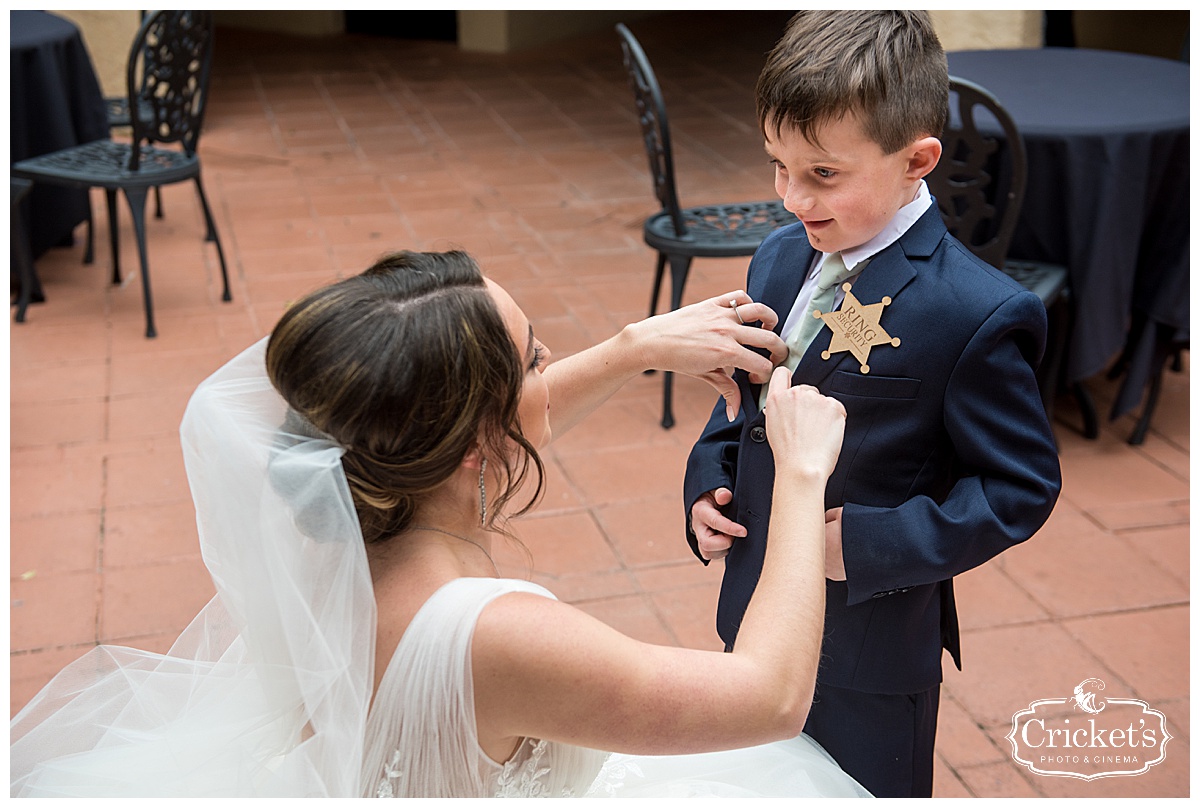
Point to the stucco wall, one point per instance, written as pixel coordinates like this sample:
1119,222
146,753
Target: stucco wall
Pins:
301,23
980,30
503,31
108,36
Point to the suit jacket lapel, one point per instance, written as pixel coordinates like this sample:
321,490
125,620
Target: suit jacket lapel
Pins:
888,272
780,288
783,283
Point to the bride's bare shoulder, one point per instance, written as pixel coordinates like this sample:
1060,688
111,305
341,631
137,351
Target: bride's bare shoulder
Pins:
531,624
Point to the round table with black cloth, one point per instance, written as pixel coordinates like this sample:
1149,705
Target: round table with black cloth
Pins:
1106,135
55,102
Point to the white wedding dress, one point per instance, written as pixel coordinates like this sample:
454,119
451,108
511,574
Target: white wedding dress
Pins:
268,691
423,741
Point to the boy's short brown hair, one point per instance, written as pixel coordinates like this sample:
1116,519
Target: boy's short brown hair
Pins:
886,66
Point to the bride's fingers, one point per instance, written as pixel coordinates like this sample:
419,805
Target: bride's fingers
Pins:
757,312
768,340
758,367
745,309
747,312
728,389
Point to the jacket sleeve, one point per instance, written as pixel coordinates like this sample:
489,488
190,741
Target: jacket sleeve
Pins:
711,464
1009,476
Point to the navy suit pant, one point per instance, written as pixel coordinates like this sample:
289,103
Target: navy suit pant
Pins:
884,742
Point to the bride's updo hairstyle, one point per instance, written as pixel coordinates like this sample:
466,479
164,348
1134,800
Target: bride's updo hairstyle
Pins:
409,366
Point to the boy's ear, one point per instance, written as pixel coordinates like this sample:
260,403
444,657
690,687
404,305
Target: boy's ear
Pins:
923,156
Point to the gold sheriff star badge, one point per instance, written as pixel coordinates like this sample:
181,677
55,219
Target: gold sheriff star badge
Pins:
856,329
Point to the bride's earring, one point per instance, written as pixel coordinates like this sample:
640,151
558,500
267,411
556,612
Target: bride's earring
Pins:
482,495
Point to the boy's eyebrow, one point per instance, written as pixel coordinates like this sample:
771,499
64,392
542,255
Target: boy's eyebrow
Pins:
823,157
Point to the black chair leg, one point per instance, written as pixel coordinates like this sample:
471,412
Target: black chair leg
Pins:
1143,425
89,250
24,257
1087,408
211,235
658,277
212,231
158,213
654,290
680,264
113,234
137,206
25,268
1163,353
668,419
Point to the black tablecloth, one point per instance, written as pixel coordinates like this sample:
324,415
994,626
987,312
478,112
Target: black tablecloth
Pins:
55,102
1106,135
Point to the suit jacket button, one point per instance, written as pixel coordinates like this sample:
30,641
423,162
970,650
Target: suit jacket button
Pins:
758,434
879,594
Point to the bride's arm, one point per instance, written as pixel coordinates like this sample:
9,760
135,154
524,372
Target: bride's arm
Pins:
704,340
547,670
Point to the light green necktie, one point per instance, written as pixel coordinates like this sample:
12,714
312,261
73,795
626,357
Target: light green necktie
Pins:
833,273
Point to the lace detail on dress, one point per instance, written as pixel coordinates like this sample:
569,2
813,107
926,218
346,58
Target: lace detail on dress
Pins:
527,777
611,778
391,772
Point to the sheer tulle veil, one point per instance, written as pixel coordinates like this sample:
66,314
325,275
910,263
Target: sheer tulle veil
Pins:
267,690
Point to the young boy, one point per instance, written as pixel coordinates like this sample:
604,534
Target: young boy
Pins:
948,458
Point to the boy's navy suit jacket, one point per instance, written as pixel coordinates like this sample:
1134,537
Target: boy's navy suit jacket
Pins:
948,457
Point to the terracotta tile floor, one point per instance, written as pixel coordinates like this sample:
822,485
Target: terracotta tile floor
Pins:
319,156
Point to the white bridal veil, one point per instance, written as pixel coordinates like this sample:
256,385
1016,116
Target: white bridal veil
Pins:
266,692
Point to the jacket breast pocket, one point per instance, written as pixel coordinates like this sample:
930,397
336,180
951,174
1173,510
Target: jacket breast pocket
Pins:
868,386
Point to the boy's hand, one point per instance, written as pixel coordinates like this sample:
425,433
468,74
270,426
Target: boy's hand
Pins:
835,566
714,532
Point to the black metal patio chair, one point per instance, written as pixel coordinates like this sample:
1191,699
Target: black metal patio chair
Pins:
176,57
680,234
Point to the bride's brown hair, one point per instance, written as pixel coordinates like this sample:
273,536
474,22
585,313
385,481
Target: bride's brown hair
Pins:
409,366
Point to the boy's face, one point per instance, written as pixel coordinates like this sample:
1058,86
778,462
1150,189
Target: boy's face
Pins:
845,190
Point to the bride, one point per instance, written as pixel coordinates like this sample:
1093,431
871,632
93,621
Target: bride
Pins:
350,474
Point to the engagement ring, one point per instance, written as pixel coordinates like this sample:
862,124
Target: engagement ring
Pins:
733,304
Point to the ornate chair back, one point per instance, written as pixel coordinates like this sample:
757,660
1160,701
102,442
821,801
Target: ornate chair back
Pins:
167,77
656,133
980,181
979,185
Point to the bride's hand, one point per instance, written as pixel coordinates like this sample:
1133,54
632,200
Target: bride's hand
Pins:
804,427
709,339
